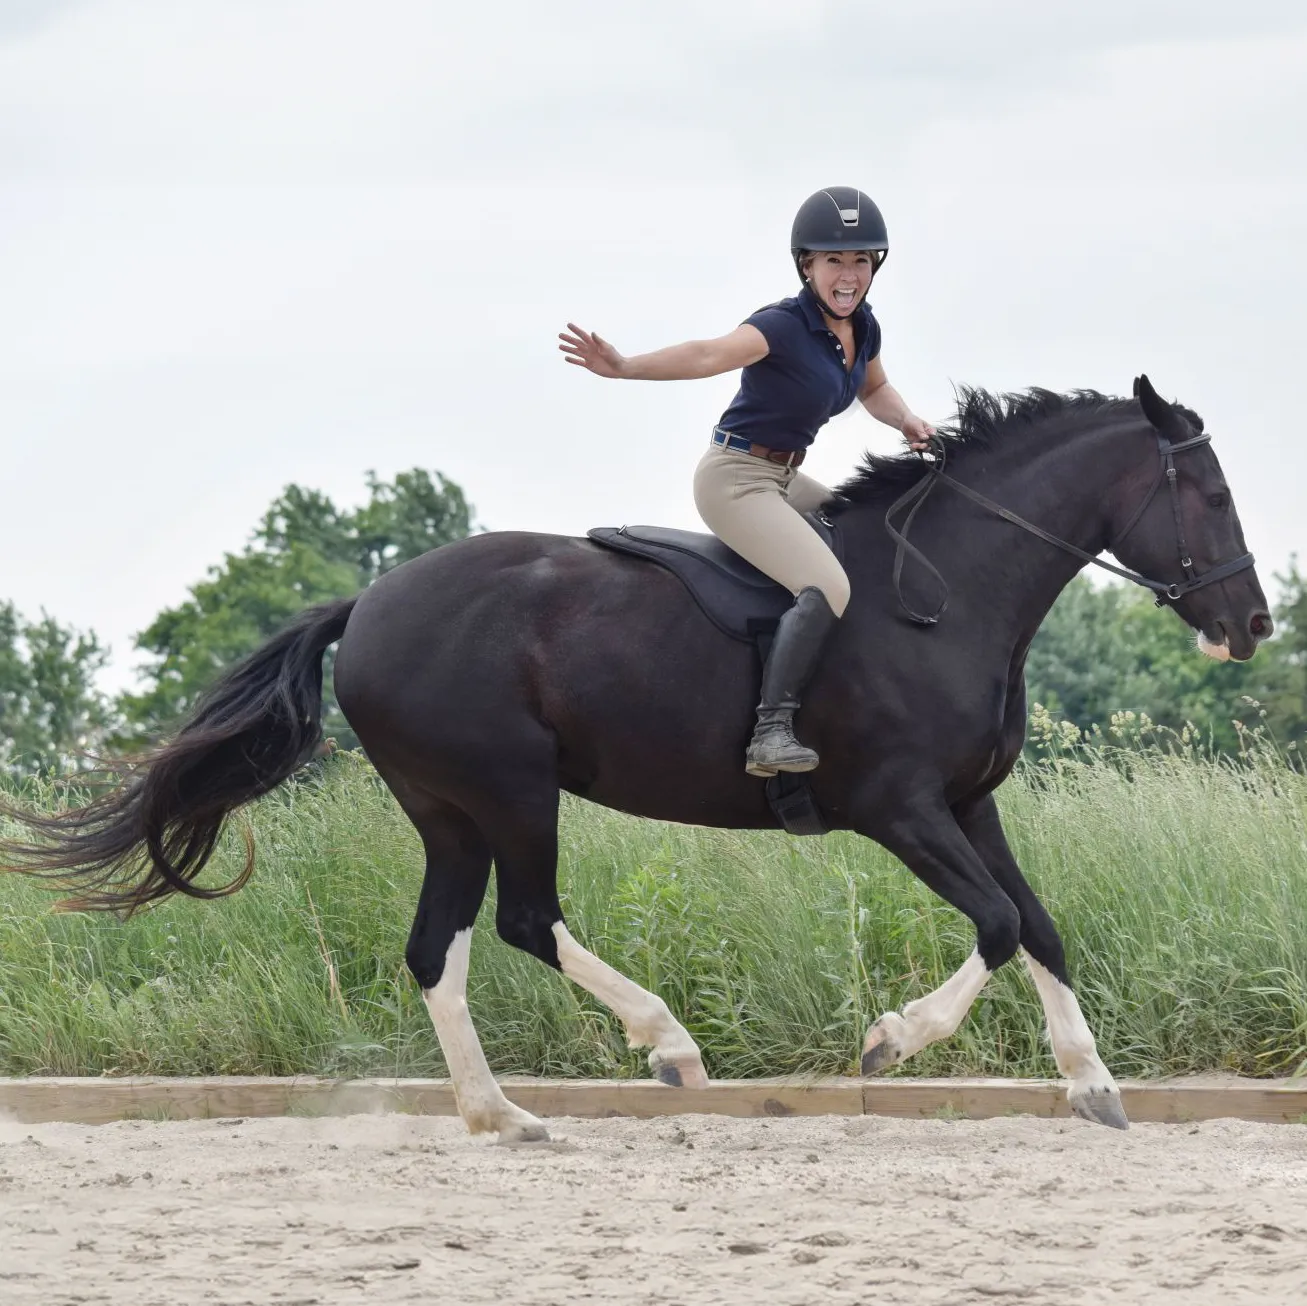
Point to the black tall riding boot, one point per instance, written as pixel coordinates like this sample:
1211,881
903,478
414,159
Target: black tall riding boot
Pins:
800,637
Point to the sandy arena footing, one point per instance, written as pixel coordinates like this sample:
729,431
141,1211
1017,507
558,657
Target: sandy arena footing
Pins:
791,1211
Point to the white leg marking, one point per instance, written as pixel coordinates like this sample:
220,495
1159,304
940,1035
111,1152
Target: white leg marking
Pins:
1075,1050
1073,1044
648,1021
1093,1093
926,1020
938,1014
481,1102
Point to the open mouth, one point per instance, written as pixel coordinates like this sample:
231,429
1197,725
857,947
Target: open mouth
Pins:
845,298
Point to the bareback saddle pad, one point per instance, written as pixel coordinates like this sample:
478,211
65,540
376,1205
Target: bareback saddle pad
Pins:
734,595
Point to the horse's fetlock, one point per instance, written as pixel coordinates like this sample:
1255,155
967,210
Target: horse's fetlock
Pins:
651,1026
927,1022
481,1122
1078,1061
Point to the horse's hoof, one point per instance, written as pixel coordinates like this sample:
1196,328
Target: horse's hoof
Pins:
1100,1103
881,1050
678,1072
881,1057
670,1076
523,1132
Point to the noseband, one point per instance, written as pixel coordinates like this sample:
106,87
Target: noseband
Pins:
1165,593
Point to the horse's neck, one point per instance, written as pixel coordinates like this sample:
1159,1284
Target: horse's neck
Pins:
1065,483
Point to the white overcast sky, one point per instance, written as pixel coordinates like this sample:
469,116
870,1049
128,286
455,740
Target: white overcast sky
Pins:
249,242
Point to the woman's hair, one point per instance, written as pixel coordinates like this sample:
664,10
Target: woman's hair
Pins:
805,257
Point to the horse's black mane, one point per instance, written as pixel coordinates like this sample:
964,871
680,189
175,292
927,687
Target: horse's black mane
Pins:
983,421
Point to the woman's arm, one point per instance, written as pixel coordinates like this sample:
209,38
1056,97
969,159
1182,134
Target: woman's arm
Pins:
687,362
886,405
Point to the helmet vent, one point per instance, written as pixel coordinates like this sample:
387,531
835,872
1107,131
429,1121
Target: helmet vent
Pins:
849,217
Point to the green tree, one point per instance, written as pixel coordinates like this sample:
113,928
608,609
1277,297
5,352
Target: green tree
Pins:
1110,649
1077,662
305,550
1282,686
51,714
403,520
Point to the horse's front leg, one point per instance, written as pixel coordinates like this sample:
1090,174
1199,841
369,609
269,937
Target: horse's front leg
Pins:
921,831
1093,1093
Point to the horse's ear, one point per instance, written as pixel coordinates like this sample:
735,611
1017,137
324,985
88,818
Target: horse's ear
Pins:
1159,413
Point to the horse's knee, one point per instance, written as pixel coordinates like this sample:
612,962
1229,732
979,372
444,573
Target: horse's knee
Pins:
1043,944
998,934
425,957
529,929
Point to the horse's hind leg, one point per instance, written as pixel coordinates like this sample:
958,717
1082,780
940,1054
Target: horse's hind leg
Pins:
1093,1093
457,872
525,846
675,1058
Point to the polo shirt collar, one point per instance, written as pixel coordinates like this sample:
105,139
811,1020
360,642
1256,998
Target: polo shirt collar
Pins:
812,310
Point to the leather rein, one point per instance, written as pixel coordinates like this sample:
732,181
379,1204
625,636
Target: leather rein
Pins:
1166,593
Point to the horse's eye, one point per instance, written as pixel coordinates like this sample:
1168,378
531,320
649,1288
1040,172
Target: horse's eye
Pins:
1218,500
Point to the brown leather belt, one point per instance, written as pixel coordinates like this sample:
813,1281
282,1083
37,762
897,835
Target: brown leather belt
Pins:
786,457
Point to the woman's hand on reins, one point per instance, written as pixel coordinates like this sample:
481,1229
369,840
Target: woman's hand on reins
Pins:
591,352
917,432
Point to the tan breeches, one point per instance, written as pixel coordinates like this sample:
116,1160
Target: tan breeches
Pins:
754,507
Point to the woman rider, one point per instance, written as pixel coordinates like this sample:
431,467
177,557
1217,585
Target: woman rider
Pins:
804,359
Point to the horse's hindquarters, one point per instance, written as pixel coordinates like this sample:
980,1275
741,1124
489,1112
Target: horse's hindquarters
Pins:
461,661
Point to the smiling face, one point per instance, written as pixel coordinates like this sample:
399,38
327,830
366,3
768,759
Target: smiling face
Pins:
840,278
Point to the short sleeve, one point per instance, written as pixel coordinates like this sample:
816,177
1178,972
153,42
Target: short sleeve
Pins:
775,324
873,338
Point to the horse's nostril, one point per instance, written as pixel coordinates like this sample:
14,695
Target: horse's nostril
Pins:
1261,625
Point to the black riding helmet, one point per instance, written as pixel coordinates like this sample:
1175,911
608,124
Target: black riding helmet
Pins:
838,217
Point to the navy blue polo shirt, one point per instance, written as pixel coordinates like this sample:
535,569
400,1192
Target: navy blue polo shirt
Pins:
802,383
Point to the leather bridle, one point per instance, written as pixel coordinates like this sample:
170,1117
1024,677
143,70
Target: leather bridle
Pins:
1166,593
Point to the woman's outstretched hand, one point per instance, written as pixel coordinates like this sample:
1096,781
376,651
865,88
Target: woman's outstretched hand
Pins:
591,352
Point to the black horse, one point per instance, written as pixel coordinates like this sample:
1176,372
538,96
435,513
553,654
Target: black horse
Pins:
488,675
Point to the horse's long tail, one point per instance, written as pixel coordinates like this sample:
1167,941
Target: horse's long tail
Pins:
152,834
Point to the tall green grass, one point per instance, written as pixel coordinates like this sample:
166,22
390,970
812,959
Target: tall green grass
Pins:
1179,882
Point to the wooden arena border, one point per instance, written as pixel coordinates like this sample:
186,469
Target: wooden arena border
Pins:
100,1101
